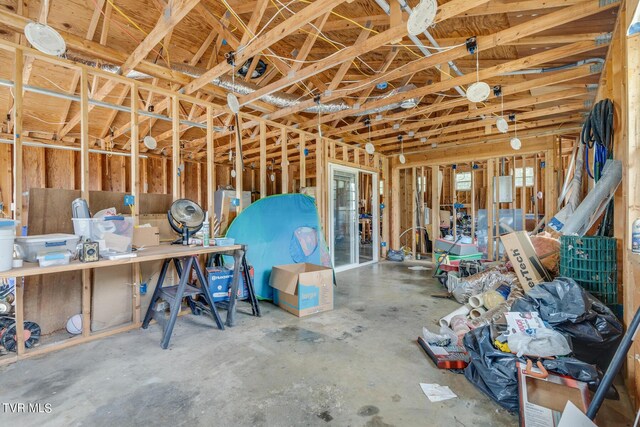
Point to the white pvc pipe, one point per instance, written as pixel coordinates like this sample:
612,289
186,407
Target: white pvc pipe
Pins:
464,311
477,312
476,301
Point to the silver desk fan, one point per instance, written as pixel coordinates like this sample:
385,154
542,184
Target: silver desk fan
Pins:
186,218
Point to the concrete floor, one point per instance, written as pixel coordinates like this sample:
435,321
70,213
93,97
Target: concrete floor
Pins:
358,365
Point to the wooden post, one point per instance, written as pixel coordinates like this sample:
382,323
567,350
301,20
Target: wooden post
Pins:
549,201
135,191
386,212
414,207
84,191
490,207
303,162
239,172
17,139
423,181
435,209
320,184
263,159
17,187
454,200
395,208
211,168
496,235
473,202
175,161
284,162
523,193
536,213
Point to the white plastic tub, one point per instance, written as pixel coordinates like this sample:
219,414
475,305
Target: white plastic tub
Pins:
54,258
34,246
7,236
114,233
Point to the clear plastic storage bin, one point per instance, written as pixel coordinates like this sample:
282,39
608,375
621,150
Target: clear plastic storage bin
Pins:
113,233
34,246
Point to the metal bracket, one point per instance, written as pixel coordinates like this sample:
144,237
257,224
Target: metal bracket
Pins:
603,3
596,68
604,38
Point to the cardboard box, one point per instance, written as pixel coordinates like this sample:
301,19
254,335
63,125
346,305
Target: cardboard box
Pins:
145,237
220,280
543,400
526,263
302,289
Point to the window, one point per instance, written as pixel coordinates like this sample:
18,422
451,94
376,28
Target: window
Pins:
528,177
463,181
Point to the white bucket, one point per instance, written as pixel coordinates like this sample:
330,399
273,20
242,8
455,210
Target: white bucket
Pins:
6,252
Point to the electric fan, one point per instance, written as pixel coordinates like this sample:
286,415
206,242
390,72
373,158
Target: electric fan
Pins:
186,218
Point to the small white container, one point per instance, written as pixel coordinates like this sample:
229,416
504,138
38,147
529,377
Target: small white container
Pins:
34,246
54,258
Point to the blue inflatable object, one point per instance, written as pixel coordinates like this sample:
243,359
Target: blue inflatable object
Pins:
281,229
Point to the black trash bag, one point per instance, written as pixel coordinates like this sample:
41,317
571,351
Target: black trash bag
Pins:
594,330
395,255
495,373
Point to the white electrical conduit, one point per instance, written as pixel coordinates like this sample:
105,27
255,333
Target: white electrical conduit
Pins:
68,148
103,104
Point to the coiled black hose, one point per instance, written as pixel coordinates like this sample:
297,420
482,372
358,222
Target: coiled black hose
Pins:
597,134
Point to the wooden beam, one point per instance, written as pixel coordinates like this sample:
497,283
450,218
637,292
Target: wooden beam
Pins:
284,162
172,15
175,160
512,33
263,160
514,65
525,86
435,209
265,40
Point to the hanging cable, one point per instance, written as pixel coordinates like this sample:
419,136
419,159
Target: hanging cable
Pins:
597,134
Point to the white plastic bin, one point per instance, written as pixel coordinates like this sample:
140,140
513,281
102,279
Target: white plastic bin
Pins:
54,258
7,236
33,246
114,233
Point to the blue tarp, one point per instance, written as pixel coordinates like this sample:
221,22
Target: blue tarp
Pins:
281,229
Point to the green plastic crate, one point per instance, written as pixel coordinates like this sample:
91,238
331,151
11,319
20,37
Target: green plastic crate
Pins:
470,256
592,262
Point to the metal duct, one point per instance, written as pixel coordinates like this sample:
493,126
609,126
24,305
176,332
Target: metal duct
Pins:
392,106
239,86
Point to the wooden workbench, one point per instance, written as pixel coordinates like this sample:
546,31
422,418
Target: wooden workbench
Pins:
156,253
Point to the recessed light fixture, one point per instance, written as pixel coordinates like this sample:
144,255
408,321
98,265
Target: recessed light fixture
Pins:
434,145
411,133
423,139
409,103
422,17
396,125
502,125
479,91
150,142
369,148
